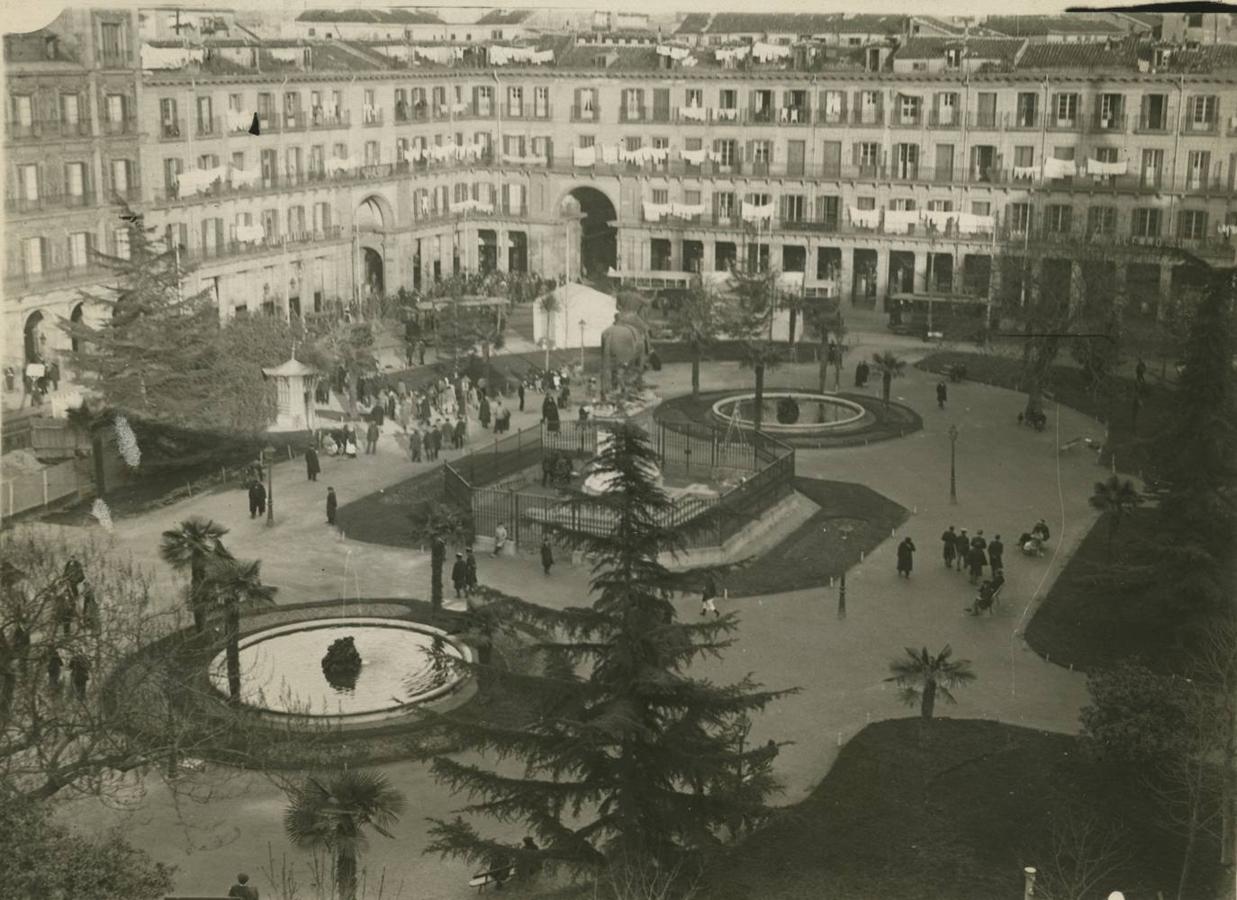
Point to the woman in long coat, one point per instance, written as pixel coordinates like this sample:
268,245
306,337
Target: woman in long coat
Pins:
906,557
549,413
312,466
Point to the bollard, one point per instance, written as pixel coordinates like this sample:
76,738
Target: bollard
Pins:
839,739
860,556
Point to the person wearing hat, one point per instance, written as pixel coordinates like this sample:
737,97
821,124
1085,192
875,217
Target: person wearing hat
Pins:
243,890
470,572
996,550
332,504
459,575
963,546
978,542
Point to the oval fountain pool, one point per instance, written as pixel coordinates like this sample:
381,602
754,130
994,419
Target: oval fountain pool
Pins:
402,664
792,412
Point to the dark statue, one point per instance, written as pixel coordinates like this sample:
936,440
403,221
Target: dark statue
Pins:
342,664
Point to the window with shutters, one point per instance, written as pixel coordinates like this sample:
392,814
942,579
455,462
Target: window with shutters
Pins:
1018,217
79,249
1191,224
724,205
1058,218
691,198
941,205
541,102
1102,220
865,203
867,156
113,46
515,102
34,255
903,204
828,211
169,121
1202,114
75,182
981,208
1024,157
1152,167
660,195
1109,115
1026,110
1198,165
70,109
869,108
661,104
1065,110
794,208
120,242
909,109
1145,223
206,121
372,153
946,112
905,160
632,105
120,176
171,175
694,98
833,107
762,152
726,152
728,99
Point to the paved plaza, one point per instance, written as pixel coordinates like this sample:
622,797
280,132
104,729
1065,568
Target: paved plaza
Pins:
1008,477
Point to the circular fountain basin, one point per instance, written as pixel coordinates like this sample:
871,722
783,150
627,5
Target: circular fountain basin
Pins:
281,670
816,413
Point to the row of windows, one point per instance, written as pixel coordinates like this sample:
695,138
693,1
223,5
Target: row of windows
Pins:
33,182
1063,109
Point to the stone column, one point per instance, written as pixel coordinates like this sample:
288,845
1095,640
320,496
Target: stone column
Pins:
920,283
846,275
1163,300
882,276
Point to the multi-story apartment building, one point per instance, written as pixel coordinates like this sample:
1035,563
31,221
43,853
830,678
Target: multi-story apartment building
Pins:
71,148
870,168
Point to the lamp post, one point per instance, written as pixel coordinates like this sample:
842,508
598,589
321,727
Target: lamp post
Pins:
1028,882
845,530
953,471
582,324
270,485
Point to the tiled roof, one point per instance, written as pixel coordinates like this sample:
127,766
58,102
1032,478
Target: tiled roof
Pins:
1000,49
794,23
1206,58
1089,55
693,23
375,16
504,17
1039,26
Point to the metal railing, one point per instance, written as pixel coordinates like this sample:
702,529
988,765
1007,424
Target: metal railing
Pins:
53,200
171,130
86,272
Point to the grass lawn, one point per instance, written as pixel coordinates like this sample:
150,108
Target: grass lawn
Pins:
1129,441
1092,624
815,551
384,517
956,817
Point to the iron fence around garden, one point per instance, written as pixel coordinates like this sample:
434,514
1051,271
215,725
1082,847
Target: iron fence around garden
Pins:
757,472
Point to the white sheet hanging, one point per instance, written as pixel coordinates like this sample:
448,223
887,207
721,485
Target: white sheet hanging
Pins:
899,221
693,113
1095,167
242,177
249,234
1060,168
687,210
865,218
238,120
694,157
583,156
969,223
937,218
1025,173
610,154
750,213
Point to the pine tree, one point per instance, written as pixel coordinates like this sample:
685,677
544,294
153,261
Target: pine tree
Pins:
153,354
629,756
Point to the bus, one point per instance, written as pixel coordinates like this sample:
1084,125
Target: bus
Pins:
937,317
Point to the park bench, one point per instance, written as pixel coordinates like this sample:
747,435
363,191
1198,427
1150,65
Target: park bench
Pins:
496,877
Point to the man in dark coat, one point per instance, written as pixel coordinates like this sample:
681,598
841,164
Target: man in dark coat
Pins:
470,571
257,499
371,438
457,436
378,414
549,413
906,557
547,555
242,890
962,546
332,504
976,560
459,575
949,540
90,609
978,541
942,394
312,466
996,550
483,411
414,445
520,391
445,433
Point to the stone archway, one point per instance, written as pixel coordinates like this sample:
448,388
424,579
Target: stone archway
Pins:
34,338
374,213
373,272
598,249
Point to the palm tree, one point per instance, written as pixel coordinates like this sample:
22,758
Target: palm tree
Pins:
1115,498
189,546
922,676
441,524
333,814
234,583
824,317
549,306
756,302
889,367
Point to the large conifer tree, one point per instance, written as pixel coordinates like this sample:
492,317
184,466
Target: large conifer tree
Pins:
629,755
153,351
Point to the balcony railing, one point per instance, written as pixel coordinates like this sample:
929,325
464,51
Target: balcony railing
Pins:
1191,126
209,127
118,126
371,117
1023,120
48,128
1151,124
320,119
50,200
1111,123
988,120
84,272
270,244
585,114
868,116
819,224
295,121
941,119
171,130
1066,123
115,59
909,119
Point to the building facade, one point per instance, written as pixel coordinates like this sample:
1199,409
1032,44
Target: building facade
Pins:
895,164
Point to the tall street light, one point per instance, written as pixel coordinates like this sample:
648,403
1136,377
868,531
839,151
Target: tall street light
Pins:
845,530
582,324
953,470
270,485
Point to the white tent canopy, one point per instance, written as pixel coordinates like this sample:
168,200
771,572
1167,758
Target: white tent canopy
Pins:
576,302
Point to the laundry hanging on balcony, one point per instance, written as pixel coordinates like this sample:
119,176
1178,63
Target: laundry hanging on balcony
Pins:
937,220
472,206
642,155
514,160
170,57
583,156
750,213
250,234
198,181
695,157
1025,173
763,52
503,56
1095,167
610,154
238,120
694,113
1060,168
1227,230
899,221
969,223
674,52
440,55
731,54
655,212
346,164
687,210
244,177
865,218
